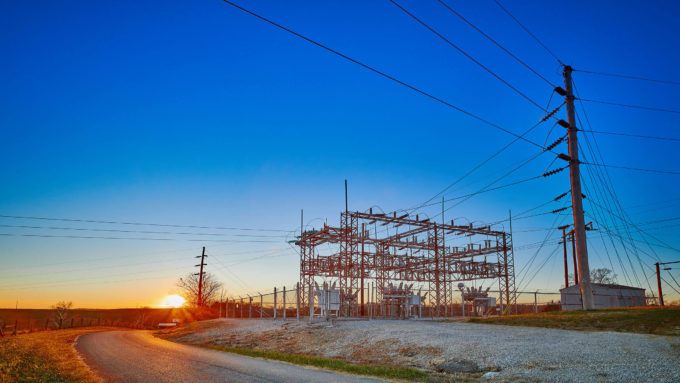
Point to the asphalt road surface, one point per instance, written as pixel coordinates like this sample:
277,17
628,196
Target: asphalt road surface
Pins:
138,356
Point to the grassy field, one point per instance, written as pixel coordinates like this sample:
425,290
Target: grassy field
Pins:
37,319
46,356
403,373
658,321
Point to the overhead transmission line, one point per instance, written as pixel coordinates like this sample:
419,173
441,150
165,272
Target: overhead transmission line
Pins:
632,106
632,168
141,231
529,32
133,238
414,17
635,135
138,223
628,77
385,75
497,44
478,166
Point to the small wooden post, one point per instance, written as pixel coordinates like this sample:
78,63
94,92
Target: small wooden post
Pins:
311,302
297,300
535,301
250,306
284,302
261,307
274,302
16,325
47,323
241,306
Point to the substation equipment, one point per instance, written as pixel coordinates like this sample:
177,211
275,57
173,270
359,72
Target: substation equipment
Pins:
386,250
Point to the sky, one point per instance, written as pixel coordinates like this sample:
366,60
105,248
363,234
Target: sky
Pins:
198,114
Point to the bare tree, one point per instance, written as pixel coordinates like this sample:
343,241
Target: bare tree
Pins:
603,275
61,311
189,289
222,295
142,316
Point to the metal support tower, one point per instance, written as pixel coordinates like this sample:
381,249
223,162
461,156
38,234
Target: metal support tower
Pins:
405,250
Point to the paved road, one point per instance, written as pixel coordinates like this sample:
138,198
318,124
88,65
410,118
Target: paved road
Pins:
138,356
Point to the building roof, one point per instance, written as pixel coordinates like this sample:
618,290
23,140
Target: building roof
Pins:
608,285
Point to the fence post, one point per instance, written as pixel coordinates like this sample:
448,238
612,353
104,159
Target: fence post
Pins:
250,307
535,301
311,302
72,322
274,302
47,323
261,307
297,300
241,308
370,306
284,302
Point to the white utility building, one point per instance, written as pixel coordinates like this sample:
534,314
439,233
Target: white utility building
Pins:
605,296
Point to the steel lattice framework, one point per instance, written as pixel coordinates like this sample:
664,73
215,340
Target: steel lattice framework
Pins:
388,248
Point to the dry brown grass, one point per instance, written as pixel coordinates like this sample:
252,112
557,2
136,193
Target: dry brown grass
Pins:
46,356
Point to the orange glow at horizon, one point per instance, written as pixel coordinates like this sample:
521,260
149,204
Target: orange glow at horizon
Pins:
175,301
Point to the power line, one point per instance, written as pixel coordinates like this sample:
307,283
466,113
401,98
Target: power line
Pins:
631,168
467,55
138,223
383,74
634,135
497,44
480,164
139,231
628,77
632,106
133,238
529,32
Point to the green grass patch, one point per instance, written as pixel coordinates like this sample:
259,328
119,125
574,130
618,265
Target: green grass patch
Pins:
657,321
405,373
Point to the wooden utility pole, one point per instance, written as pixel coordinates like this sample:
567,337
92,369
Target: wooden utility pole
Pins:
576,198
200,277
573,254
658,283
566,265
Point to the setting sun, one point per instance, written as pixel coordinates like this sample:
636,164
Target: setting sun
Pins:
174,301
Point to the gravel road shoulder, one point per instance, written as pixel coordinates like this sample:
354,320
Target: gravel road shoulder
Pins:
517,353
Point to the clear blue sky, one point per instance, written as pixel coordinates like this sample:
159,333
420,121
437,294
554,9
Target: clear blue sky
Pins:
195,113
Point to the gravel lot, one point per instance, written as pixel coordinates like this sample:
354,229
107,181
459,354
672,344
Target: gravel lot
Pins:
517,353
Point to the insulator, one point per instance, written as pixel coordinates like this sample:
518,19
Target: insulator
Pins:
547,116
555,143
563,124
564,157
559,210
546,174
560,91
560,196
